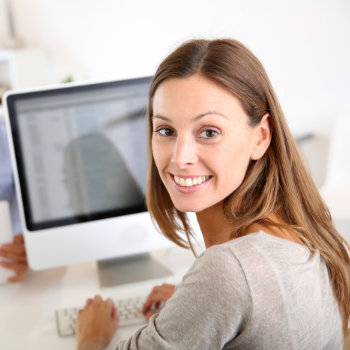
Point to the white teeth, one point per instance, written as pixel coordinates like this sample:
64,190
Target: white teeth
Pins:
188,182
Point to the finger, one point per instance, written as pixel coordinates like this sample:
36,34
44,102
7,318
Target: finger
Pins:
15,266
115,318
156,306
157,295
20,271
152,297
88,302
13,256
97,299
149,315
113,310
115,315
18,278
80,312
18,238
15,248
110,304
149,304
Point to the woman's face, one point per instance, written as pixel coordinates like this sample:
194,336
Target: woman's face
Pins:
202,142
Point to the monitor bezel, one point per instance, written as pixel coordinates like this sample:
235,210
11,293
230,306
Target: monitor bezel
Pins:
10,100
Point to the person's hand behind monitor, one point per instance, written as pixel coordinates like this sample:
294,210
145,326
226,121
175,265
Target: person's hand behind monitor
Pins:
15,258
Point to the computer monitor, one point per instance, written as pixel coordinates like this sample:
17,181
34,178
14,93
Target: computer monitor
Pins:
79,153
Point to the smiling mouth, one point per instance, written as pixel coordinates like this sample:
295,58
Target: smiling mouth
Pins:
191,181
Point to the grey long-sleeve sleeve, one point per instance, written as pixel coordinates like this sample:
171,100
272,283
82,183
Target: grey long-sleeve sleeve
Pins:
199,315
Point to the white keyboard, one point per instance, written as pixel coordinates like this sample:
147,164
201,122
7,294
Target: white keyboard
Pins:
129,311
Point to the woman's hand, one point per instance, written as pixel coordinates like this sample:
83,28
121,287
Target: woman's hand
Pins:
96,324
16,256
157,298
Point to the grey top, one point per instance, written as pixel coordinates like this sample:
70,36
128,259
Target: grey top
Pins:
254,292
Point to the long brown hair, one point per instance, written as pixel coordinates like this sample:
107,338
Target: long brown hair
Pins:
278,183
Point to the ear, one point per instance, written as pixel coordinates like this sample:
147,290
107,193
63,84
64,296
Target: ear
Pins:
263,137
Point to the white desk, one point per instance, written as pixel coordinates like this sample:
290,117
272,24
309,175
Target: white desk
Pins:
27,318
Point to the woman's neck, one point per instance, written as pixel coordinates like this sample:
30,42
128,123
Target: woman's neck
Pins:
216,229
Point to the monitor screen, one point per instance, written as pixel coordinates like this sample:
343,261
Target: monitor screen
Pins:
79,154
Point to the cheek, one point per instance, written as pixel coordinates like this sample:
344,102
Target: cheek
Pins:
234,161
159,152
155,153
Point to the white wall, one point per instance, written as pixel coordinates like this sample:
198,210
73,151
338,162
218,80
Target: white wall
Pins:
304,45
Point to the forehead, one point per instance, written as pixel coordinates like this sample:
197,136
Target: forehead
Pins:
195,95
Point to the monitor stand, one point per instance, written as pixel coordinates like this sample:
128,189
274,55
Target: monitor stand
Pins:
130,269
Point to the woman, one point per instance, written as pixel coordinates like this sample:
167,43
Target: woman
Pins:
275,274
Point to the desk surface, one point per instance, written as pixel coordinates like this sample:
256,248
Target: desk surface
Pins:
27,319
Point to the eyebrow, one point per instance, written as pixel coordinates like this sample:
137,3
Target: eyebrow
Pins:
158,116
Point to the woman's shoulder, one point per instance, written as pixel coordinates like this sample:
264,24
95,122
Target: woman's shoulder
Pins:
228,254
260,243
242,255
218,263
258,251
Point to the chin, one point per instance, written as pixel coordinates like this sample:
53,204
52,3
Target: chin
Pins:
189,207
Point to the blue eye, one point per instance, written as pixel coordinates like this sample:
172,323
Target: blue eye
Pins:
209,134
165,132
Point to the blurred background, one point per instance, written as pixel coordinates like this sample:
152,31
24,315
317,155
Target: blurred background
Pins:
303,44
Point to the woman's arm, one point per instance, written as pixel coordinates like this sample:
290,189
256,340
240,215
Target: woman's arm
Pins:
207,309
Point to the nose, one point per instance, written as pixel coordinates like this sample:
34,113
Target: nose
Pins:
185,151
